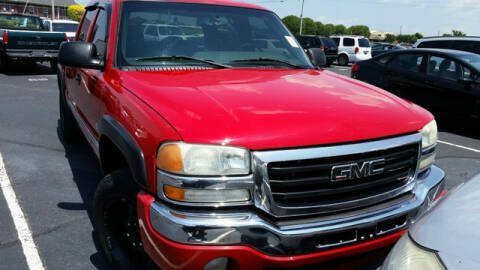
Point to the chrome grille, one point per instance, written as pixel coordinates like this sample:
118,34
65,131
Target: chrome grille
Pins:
297,182
308,182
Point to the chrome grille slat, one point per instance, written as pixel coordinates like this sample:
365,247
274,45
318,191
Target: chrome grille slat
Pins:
332,191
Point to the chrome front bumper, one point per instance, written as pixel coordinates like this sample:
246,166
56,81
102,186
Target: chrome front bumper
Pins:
300,236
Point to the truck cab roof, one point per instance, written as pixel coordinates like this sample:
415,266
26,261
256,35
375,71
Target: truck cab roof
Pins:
208,2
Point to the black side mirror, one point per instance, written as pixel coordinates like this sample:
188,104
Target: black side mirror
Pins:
317,57
79,54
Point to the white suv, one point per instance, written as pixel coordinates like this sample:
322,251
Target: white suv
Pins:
352,49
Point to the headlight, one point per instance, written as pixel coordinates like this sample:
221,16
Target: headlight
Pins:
429,134
203,160
409,256
429,140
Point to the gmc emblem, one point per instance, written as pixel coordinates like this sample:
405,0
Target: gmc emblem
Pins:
357,170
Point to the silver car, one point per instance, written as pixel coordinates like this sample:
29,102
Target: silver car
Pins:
445,237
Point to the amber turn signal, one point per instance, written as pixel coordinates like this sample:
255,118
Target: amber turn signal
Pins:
174,193
169,158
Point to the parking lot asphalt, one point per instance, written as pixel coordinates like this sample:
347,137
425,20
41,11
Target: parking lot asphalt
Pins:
54,183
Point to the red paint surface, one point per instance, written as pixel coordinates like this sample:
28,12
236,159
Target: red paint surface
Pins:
268,109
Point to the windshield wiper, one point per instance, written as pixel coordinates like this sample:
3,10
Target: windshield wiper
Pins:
264,59
181,57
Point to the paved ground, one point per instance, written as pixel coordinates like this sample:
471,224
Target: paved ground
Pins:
54,184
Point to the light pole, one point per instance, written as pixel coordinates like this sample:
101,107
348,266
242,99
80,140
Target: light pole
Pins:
301,17
53,10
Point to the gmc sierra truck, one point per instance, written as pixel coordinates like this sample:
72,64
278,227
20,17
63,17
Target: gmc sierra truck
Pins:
25,38
224,145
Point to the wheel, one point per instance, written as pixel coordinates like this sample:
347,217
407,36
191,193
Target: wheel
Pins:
71,133
115,221
343,60
53,65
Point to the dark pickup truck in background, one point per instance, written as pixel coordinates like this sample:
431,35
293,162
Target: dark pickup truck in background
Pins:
24,38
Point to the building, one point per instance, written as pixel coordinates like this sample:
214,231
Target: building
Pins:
378,35
41,8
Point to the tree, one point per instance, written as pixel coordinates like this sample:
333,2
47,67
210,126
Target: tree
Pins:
319,28
309,27
390,38
328,30
457,33
75,12
359,30
418,36
293,24
340,29
403,38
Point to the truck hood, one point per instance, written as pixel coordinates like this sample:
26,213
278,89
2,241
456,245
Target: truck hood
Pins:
270,109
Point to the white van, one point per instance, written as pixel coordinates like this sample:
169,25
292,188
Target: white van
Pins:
65,26
352,49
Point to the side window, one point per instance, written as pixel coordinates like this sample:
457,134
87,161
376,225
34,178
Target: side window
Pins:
445,68
86,25
307,42
466,72
467,45
441,44
302,41
406,61
348,42
382,60
151,30
337,41
100,33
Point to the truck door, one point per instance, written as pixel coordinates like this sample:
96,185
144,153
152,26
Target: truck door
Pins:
87,84
406,76
73,78
449,95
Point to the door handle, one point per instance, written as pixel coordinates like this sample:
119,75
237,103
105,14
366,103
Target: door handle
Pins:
78,78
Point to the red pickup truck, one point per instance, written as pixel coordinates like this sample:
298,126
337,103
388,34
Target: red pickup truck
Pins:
225,146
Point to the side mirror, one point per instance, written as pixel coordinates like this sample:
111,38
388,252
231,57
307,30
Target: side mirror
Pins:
79,54
317,57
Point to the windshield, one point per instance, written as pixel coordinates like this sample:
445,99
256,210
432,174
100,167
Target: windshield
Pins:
363,43
215,33
20,22
472,59
65,27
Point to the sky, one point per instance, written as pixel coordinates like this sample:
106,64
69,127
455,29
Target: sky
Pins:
428,17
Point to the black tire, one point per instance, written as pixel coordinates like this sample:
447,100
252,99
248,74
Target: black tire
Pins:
3,62
116,222
342,60
71,133
53,65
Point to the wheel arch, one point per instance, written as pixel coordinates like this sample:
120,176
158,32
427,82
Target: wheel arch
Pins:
118,149
344,54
